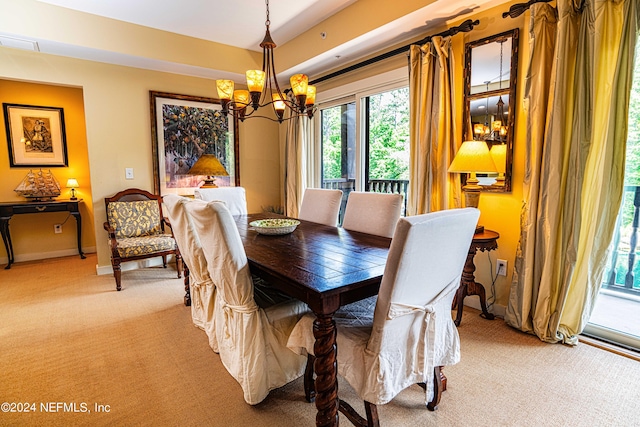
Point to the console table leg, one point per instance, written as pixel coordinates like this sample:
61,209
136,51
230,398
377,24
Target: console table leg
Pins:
78,218
6,238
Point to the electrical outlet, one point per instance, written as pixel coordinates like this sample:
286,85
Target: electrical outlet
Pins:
501,267
57,228
128,173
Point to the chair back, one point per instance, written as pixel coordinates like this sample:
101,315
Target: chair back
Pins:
251,340
412,322
226,259
321,206
134,213
372,213
234,197
201,287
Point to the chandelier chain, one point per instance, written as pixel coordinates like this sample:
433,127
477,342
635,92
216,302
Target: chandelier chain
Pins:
268,21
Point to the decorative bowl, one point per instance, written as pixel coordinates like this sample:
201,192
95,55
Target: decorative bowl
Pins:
274,226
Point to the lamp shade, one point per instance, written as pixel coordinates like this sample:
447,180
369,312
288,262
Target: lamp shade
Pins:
499,156
225,89
255,80
241,97
473,156
72,183
311,95
299,84
209,165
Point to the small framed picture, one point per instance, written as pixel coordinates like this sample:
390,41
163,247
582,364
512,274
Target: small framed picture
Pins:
36,136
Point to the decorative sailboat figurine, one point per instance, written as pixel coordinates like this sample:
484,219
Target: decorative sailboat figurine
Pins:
39,186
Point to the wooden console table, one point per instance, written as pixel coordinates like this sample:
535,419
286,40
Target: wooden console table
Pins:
8,209
484,241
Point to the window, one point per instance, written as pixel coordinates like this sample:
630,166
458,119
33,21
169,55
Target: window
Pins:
364,140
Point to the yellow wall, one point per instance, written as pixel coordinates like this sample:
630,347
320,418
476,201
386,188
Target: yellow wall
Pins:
118,133
33,233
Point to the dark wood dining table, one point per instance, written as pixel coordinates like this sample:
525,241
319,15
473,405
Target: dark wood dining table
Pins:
326,267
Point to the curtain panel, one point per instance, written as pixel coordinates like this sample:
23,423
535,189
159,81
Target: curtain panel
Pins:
581,170
299,170
432,128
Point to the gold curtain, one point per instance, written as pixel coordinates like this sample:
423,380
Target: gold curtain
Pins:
432,128
581,169
299,171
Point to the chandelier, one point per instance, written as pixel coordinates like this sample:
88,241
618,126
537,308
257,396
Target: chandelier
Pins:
264,89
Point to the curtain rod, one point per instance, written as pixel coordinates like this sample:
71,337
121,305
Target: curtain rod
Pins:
465,27
518,9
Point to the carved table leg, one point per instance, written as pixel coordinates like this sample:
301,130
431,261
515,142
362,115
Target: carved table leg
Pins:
187,288
326,384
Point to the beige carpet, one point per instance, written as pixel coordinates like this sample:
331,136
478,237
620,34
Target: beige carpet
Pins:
67,336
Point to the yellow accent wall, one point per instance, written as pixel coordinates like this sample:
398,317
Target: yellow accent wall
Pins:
33,233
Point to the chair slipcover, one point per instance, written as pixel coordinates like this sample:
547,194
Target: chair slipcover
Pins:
321,206
411,330
372,213
234,197
201,287
251,340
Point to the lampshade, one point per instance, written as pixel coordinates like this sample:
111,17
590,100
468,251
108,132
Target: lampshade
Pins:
210,166
299,84
311,95
72,183
225,89
473,156
255,80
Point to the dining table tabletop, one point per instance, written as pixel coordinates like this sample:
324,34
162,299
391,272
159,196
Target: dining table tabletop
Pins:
325,267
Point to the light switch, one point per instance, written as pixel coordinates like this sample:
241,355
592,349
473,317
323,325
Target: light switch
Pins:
128,173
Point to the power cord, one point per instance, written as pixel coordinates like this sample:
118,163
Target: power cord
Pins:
492,299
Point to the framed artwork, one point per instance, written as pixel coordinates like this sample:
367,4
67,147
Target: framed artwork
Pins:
36,136
183,128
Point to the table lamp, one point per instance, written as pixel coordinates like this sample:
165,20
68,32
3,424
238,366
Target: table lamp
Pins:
72,183
210,166
472,157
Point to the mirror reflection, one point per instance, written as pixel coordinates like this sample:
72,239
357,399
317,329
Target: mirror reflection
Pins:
490,83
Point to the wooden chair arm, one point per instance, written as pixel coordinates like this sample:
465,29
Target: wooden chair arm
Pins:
112,238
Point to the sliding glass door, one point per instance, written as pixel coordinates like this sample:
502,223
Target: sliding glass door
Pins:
616,316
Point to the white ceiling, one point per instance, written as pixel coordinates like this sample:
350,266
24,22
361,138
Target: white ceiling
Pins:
240,23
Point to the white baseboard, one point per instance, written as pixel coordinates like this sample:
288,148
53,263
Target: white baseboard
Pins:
133,265
34,256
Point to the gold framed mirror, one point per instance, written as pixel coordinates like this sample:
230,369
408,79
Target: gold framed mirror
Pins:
490,74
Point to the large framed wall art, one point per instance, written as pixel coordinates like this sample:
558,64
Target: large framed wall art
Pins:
183,128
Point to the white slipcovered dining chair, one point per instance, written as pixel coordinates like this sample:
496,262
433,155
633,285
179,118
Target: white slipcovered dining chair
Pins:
201,288
410,334
234,197
372,213
251,339
321,206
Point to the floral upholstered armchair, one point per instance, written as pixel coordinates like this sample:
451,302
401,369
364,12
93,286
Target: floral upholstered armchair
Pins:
136,230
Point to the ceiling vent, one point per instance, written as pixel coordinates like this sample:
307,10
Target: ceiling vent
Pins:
19,43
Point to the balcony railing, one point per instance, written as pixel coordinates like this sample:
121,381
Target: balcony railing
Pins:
623,270
398,186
